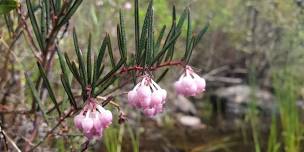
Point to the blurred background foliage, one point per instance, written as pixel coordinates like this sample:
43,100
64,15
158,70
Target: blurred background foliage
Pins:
259,39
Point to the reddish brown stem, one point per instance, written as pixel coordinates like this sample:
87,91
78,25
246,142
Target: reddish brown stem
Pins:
139,68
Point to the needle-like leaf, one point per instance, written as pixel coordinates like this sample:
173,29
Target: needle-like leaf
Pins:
150,41
89,61
112,72
68,90
136,16
65,79
189,37
34,24
82,69
35,95
69,13
110,51
159,39
73,70
123,38
48,86
144,31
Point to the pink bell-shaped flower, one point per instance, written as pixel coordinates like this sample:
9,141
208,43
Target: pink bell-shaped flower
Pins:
190,84
156,98
145,102
147,95
87,123
106,118
78,120
200,84
97,121
132,97
143,92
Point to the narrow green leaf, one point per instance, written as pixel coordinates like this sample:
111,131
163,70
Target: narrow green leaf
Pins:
101,71
35,95
47,14
169,37
7,5
165,48
110,51
120,41
150,41
99,59
43,24
182,19
58,6
170,52
48,86
68,90
159,39
137,27
143,37
189,53
123,38
201,34
34,23
189,37
65,79
73,70
74,67
89,61
69,13
9,23
105,86
110,74
195,41
164,73
82,69
62,62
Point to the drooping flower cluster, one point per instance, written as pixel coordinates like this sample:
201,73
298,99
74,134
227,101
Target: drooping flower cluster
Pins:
148,96
93,119
190,84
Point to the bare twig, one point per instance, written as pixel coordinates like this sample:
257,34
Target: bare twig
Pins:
11,141
85,146
23,22
68,114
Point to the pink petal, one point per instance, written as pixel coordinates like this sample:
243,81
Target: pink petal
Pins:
78,119
87,124
143,92
106,118
132,97
150,112
164,94
178,87
145,102
97,121
200,83
156,97
188,86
